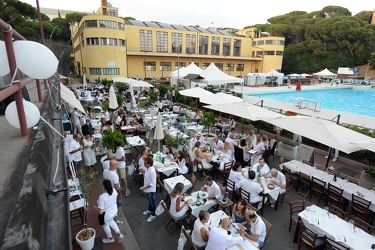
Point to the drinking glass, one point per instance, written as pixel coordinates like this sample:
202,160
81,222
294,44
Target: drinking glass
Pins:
351,224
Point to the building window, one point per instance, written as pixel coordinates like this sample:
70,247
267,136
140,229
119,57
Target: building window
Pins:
237,47
92,41
279,53
226,46
259,54
219,65
161,41
196,64
176,42
108,41
146,40
203,45
91,24
121,42
95,71
280,42
182,64
240,67
215,45
120,26
111,71
112,12
149,66
269,53
229,67
270,42
165,66
107,24
205,65
254,43
190,44
260,42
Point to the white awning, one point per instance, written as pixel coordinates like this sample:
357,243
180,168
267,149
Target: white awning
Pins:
68,96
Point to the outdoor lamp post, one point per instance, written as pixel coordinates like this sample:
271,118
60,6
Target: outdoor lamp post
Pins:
178,50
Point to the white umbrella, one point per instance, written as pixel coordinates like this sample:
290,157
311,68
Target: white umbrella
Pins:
112,98
68,96
304,75
294,75
245,110
326,132
159,134
196,92
220,98
366,144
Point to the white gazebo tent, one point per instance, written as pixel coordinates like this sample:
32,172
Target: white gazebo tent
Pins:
325,73
191,69
214,76
260,78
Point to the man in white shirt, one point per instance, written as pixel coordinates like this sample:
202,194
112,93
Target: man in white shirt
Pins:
253,187
198,137
75,151
218,144
105,163
76,119
213,190
231,141
258,146
120,158
149,187
218,238
279,180
251,136
262,168
258,230
232,132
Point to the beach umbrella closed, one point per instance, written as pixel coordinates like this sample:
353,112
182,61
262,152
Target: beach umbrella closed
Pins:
159,134
112,98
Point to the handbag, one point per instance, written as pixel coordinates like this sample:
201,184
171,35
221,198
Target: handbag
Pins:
131,168
160,209
101,218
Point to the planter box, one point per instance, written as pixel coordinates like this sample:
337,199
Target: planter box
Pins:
288,152
366,180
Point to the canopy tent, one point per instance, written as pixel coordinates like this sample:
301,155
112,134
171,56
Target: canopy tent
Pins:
294,75
326,132
245,110
112,98
175,73
220,98
325,73
214,76
192,68
304,75
196,92
271,77
68,96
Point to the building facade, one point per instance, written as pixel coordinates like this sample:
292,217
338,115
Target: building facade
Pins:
107,46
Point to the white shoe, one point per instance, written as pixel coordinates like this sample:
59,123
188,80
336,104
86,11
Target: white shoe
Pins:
146,212
326,156
108,240
120,235
151,218
119,222
127,193
334,159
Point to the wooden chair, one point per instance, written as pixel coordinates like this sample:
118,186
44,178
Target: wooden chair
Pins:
270,152
175,223
238,155
224,173
336,211
251,207
333,172
362,225
166,193
304,183
193,181
295,207
307,162
351,179
360,207
333,245
268,230
231,188
188,237
320,167
334,195
289,176
245,195
317,189
76,210
308,237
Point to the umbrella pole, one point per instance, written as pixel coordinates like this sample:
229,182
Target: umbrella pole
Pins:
329,156
159,145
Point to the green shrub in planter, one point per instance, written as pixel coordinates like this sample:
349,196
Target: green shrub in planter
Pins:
109,139
370,170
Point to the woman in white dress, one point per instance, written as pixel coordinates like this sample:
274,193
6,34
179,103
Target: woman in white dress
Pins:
228,150
182,169
89,146
236,174
194,151
179,208
205,157
199,235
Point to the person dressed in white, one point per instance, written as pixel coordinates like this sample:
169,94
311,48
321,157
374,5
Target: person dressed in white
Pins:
149,187
194,151
198,137
245,148
218,144
336,155
120,157
182,168
231,141
258,230
235,174
258,146
278,179
75,151
88,151
253,187
251,137
76,119
107,204
105,161
205,157
211,188
218,238
262,167
179,208
199,235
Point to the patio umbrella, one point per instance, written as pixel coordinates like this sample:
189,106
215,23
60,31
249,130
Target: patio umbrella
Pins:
159,134
112,98
220,98
298,88
326,132
196,92
366,144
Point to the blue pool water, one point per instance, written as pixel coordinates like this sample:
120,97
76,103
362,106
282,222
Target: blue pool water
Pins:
360,101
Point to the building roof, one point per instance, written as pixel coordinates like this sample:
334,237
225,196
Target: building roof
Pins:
179,27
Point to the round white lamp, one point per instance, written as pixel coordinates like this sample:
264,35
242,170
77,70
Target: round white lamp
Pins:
31,111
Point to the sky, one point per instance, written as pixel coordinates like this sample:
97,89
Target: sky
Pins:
207,13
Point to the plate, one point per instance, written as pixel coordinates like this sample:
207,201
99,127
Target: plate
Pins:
190,199
271,186
204,195
158,165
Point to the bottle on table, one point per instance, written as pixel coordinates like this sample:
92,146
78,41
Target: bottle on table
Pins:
198,198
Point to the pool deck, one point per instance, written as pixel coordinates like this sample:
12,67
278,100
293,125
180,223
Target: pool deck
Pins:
346,118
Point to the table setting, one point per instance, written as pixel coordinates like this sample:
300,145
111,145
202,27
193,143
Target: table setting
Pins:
135,141
164,165
205,203
170,183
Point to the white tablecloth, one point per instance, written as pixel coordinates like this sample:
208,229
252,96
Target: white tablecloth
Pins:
135,141
349,188
196,209
124,128
324,224
161,168
274,193
170,183
174,132
198,128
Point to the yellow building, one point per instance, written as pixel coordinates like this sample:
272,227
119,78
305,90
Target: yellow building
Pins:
106,46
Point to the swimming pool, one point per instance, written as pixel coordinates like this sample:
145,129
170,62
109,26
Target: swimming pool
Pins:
360,101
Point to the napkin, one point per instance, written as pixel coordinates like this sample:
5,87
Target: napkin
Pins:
359,231
314,221
310,209
340,238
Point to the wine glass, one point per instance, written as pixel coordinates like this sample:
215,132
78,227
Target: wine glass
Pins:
351,223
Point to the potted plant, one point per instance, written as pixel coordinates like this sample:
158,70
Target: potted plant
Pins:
367,178
288,150
174,142
86,237
109,139
208,120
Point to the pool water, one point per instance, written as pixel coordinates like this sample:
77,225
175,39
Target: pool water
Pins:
360,101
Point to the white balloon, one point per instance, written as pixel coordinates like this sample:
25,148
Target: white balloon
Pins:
31,111
35,59
4,65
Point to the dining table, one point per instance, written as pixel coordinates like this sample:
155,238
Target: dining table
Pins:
170,183
165,166
196,128
173,132
348,188
195,209
324,223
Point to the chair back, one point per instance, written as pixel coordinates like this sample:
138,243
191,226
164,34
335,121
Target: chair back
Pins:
333,172
188,237
317,183
360,203
193,181
245,195
238,155
166,193
307,236
320,167
362,225
251,207
296,206
231,185
333,245
268,229
336,211
307,162
351,179
334,193
167,210
269,152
